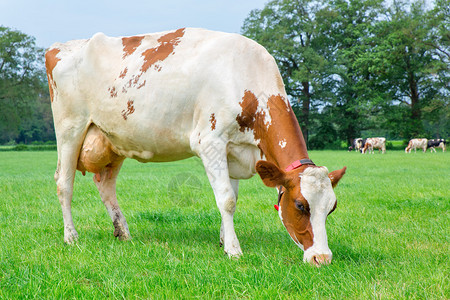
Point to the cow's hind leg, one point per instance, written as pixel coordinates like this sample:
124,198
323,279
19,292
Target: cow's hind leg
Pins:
98,156
215,162
106,184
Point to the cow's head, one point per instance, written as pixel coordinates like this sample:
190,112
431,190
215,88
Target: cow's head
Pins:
306,199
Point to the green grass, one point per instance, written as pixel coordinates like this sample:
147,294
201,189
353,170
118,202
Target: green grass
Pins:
389,234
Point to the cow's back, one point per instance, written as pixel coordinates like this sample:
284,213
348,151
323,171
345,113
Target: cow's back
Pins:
151,94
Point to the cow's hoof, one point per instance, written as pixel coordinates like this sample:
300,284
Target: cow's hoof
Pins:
124,237
70,236
234,253
121,231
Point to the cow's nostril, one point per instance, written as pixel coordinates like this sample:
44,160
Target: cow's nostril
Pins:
316,260
321,259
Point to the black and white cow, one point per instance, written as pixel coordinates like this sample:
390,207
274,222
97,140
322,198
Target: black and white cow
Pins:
359,143
436,143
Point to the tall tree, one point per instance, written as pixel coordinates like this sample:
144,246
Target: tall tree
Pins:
406,59
22,85
348,32
290,31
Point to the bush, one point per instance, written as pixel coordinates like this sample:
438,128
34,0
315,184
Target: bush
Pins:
20,147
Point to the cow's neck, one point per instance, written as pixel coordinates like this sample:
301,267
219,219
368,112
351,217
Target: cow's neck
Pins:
277,134
283,142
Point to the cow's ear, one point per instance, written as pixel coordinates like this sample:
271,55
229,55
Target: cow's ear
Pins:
270,174
335,176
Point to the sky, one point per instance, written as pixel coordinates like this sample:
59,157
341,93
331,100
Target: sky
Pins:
63,20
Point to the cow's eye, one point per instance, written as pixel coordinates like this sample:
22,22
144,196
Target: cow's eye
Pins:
299,206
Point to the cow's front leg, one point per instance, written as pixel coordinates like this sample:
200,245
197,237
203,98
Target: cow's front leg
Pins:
216,166
235,185
106,185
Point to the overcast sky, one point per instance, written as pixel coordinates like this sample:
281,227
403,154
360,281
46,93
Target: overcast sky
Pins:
63,20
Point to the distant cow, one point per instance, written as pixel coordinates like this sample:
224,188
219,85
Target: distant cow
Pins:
436,143
378,143
358,144
416,143
172,95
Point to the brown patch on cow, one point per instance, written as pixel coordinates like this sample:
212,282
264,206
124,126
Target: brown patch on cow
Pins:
50,63
123,73
248,117
152,56
283,125
129,110
158,68
130,44
213,121
297,222
112,91
142,84
168,42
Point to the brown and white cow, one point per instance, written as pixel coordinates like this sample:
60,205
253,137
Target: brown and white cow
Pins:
172,95
417,143
378,143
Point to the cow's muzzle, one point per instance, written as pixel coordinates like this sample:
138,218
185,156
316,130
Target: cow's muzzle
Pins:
318,260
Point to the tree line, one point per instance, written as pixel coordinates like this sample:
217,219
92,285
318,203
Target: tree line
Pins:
25,113
351,68
357,68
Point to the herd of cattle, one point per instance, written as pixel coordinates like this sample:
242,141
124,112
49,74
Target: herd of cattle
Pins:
364,145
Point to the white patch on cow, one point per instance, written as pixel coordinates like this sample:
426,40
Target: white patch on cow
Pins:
267,118
316,187
282,143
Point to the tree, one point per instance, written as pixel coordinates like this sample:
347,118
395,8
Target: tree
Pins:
22,88
290,31
407,71
356,104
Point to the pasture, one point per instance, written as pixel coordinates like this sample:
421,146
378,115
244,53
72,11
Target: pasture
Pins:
389,234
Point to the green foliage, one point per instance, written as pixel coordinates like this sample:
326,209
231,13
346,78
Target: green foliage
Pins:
25,113
291,32
362,65
388,244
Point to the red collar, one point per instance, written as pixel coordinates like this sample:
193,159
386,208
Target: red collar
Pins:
298,163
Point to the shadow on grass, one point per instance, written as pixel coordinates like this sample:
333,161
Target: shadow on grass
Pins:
360,256
204,227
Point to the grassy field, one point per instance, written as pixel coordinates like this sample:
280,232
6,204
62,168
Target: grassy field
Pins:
389,234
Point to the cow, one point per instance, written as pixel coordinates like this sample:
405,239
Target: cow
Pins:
358,144
172,95
378,143
417,143
436,143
